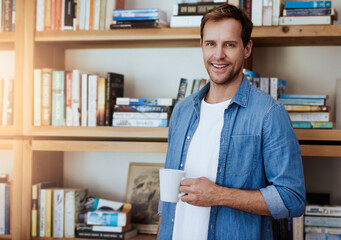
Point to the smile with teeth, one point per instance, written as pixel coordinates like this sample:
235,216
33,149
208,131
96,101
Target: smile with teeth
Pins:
219,65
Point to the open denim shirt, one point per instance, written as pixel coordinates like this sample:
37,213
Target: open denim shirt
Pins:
258,150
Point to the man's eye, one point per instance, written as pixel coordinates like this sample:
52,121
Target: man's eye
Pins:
210,44
230,45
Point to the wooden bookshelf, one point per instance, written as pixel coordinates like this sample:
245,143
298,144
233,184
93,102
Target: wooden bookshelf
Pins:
5,237
139,237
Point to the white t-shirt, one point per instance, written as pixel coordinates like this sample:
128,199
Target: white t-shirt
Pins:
191,222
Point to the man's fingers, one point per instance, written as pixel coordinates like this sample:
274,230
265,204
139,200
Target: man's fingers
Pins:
188,181
185,189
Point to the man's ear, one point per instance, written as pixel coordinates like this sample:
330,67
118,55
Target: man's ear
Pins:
248,49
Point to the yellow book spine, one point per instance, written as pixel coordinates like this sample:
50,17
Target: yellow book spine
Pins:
48,212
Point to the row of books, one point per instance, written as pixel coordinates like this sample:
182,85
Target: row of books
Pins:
7,15
308,13
307,111
75,98
75,15
138,18
6,199
189,86
6,101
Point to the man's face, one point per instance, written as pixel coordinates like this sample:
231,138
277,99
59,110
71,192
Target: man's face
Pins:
223,50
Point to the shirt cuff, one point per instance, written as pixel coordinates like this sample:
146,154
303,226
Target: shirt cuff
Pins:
274,202
159,212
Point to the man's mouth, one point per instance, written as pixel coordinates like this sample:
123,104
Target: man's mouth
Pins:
219,65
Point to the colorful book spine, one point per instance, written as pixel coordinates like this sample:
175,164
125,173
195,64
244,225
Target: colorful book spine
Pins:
305,20
141,108
84,108
139,122
48,212
37,97
46,101
264,84
58,98
68,97
101,101
90,234
42,212
310,116
298,101
7,15
277,87
304,96
34,211
144,101
99,228
106,218
322,236
2,207
325,230
308,4
138,14
306,108
327,125
140,115
76,98
92,100
58,212
322,221
307,12
317,210
40,15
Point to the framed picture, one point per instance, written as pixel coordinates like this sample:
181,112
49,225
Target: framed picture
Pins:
143,192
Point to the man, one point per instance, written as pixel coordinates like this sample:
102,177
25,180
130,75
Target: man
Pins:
241,156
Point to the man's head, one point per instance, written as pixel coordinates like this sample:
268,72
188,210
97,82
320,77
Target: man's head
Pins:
229,11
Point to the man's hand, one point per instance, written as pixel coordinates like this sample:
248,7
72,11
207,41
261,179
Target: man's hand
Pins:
198,191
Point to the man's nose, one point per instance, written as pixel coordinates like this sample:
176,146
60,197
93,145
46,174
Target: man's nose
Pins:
220,52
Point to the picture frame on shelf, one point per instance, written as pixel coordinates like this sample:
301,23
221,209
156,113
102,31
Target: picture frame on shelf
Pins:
143,192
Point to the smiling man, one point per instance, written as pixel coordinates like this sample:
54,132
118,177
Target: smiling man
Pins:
241,156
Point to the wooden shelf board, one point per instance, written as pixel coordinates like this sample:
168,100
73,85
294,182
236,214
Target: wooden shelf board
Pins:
139,237
102,132
318,134
6,145
7,37
7,131
99,146
5,237
314,35
321,150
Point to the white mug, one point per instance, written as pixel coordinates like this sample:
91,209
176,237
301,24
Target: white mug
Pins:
169,184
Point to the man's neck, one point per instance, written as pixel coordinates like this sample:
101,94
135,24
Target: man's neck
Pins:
223,92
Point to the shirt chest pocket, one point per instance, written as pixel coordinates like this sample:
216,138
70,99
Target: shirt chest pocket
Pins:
244,152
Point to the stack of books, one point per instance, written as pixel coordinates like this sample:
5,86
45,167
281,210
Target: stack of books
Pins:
189,86
5,203
75,98
138,18
6,101
105,219
307,111
142,112
322,222
308,13
190,14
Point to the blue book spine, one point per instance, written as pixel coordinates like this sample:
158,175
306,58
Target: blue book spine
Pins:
307,12
7,207
298,101
304,96
324,125
144,101
135,14
308,4
321,236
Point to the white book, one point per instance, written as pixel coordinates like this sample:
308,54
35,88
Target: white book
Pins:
317,210
62,3
267,12
305,20
108,13
276,11
58,213
324,230
7,110
74,202
233,2
84,103
2,207
97,11
338,104
257,12
42,204
141,115
82,13
185,21
298,228
87,14
92,100
189,87
37,97
76,98
46,102
102,14
68,98
40,15
310,116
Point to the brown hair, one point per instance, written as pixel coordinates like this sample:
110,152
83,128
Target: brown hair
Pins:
229,11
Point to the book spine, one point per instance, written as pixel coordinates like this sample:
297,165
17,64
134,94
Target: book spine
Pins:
321,221
2,82
114,90
140,115
185,21
109,13
297,228
37,97
68,83
87,15
323,211
7,114
46,97
185,9
2,207
78,10
126,108
144,101
7,15
106,218
7,208
91,14
310,116
324,230
139,122
305,20
308,4
48,212
307,12
92,104
84,108
182,89
257,12
47,15
68,15
58,98
76,95
304,96
97,10
298,101
312,124
267,12
317,236
305,108
53,15
58,213
276,13
42,213
264,84
40,16
101,101
34,208
338,106
102,14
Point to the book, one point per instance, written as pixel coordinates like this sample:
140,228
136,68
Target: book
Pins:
58,98
198,8
7,110
257,12
185,21
40,15
305,96
100,228
316,210
84,104
136,24
277,87
297,228
140,14
68,98
140,115
131,122
110,6
76,98
92,100
267,13
141,108
321,236
2,82
7,15
100,115
306,108
58,213
264,84
7,208
305,20
338,104
322,221
42,212
308,4
182,89
144,101
2,207
307,12
74,203
93,204
310,116
301,101
312,124
324,230
107,235
37,96
277,10
48,212
114,89
195,86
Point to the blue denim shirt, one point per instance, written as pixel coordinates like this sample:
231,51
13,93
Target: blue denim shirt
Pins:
258,150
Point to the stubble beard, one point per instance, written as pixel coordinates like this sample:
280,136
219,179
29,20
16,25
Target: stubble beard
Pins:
229,78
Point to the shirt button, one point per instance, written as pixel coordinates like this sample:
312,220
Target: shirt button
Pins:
181,165
188,137
211,226
172,219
